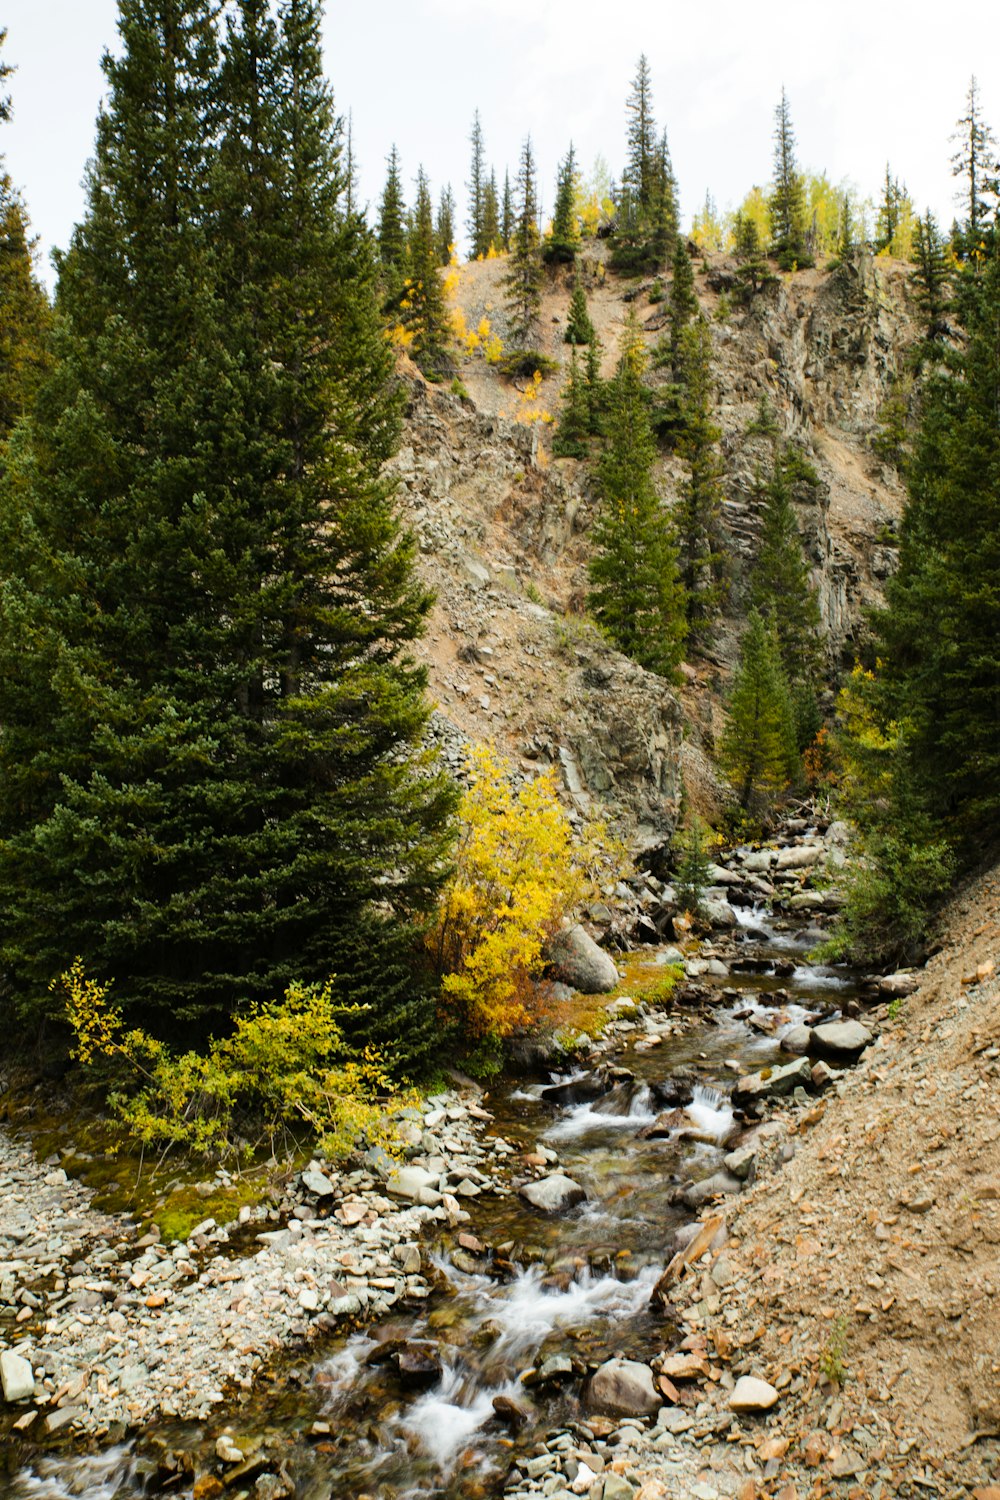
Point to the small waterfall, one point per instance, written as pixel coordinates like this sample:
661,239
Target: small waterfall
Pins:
444,1419
98,1476
711,1111
625,1107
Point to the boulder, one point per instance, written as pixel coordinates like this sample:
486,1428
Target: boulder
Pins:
718,912
758,861
578,1090
702,1192
552,1371
623,1388
772,1083
316,1183
752,1394
796,1040
578,961
553,1194
897,986
840,1041
16,1376
415,1183
799,856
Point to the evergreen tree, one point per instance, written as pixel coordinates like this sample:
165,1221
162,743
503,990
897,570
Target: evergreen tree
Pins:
757,749
596,387
579,328
571,435
636,594
786,205
507,214
847,237
391,237
426,314
664,214
752,270
524,277
701,553
477,187
25,314
889,210
931,278
564,241
647,213
211,607
445,227
975,161
639,176
490,238
683,301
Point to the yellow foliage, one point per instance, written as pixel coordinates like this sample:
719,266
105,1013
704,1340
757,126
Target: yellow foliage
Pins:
399,335
517,875
285,1060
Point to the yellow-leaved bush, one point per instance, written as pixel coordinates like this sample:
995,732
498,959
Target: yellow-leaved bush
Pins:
285,1062
519,870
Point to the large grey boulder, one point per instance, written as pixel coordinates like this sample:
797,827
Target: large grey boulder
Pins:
623,1388
773,1083
414,1183
552,1194
796,1040
799,857
718,1184
16,1376
840,1041
578,961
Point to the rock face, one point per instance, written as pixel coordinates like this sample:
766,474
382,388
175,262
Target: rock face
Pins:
623,1388
553,1194
578,961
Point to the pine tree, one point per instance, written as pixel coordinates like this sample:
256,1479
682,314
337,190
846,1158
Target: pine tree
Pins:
425,313
25,314
393,249
571,435
564,240
975,160
752,271
596,387
757,748
490,238
887,222
636,594
683,301
507,214
701,553
664,215
786,205
639,176
931,278
477,186
579,328
445,227
213,605
524,277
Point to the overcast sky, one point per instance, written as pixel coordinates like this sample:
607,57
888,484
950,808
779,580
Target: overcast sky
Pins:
867,82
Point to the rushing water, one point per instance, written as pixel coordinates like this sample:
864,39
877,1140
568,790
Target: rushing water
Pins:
580,1283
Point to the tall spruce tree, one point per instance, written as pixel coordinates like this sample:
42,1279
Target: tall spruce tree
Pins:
490,233
757,748
570,439
639,176
683,301
931,278
476,188
702,559
426,314
786,205
208,599
636,594
507,214
444,228
975,163
564,240
647,214
523,280
25,313
579,327
393,249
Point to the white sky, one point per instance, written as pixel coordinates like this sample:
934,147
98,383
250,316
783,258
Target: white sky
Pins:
868,81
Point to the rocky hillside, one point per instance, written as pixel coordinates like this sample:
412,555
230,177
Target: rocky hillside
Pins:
504,527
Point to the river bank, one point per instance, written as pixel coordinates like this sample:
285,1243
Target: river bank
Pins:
484,1339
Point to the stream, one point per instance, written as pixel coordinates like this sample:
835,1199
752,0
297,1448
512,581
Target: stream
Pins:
575,1284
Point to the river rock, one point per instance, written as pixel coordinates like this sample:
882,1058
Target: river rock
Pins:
553,1194
578,1090
16,1376
578,961
415,1183
623,1388
552,1371
752,1394
758,861
796,1040
772,1083
799,857
616,1487
317,1184
710,1187
718,912
897,986
840,1041
509,1411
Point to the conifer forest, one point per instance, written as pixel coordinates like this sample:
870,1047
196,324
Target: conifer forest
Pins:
499,805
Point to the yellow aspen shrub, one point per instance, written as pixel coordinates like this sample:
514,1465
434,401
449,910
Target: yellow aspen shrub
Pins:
517,875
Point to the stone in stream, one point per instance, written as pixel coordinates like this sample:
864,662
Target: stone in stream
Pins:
840,1041
16,1376
623,1388
552,1194
897,986
796,1040
578,1090
752,1394
510,1412
799,856
772,1083
416,1361
718,912
552,1371
578,961
700,1193
415,1183
664,1125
